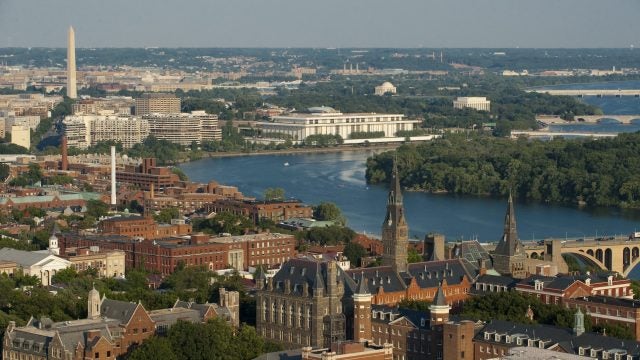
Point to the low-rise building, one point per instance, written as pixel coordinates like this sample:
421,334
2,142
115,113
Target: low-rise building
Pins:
109,263
142,227
478,103
42,265
256,210
327,121
385,88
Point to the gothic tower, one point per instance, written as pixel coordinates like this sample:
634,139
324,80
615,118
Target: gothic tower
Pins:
509,256
362,312
395,238
93,304
578,323
439,309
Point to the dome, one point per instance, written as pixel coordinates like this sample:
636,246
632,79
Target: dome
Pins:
387,84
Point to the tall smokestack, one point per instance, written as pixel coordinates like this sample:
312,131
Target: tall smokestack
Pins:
113,175
71,64
64,161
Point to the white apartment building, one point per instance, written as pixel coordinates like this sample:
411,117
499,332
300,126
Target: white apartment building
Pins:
83,131
478,103
327,121
21,135
30,122
184,128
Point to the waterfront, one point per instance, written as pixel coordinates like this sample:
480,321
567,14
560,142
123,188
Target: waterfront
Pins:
339,178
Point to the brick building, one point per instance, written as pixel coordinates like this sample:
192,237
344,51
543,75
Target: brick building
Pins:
257,210
142,227
216,253
110,330
146,174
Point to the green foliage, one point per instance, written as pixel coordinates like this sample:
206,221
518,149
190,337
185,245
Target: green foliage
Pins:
4,171
331,235
512,306
216,340
410,133
153,348
354,252
328,211
180,173
274,194
8,148
167,214
413,256
33,175
96,209
164,151
593,172
366,135
420,305
224,222
323,140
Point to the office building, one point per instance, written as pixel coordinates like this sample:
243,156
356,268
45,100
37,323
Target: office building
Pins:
184,128
157,104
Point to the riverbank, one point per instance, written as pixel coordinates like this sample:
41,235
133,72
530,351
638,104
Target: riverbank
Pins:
333,149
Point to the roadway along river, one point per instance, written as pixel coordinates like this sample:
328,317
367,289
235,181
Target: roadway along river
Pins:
339,178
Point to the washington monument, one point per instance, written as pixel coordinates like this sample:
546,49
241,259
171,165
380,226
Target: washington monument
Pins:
71,64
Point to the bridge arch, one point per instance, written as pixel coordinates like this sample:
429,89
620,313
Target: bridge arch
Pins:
590,252
598,255
635,252
631,266
608,257
626,257
585,256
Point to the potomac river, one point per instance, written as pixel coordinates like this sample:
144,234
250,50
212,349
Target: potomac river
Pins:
339,178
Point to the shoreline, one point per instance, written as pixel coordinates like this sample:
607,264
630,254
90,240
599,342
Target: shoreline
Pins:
295,151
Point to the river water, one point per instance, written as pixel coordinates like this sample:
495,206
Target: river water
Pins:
339,178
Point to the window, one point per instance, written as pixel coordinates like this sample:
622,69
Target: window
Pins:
97,355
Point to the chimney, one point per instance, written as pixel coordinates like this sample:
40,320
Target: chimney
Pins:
113,175
93,334
64,162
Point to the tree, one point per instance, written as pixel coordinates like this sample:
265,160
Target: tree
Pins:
96,209
4,171
167,214
413,256
271,194
153,348
354,252
328,211
180,173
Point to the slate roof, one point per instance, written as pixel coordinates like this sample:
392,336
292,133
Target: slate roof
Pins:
440,299
552,282
500,280
24,258
472,251
115,309
172,315
430,274
563,337
200,308
310,272
390,314
377,277
281,355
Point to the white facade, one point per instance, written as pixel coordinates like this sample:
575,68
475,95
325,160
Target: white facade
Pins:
184,128
42,265
299,126
385,88
31,122
83,131
21,135
478,103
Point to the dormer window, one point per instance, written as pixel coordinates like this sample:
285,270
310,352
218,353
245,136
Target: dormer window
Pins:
487,336
538,285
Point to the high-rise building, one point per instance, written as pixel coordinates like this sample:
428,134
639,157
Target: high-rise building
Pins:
157,104
184,128
395,237
71,64
83,131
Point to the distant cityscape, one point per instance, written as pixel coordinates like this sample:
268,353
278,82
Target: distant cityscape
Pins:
110,251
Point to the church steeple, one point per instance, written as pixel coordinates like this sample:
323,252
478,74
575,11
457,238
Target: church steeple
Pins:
394,228
509,256
510,244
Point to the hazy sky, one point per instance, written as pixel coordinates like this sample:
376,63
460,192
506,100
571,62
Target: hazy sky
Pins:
321,23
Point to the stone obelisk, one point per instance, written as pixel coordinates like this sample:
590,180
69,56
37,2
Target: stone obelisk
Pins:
71,64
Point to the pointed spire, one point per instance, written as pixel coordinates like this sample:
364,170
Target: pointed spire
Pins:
363,289
440,299
395,191
509,244
318,283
